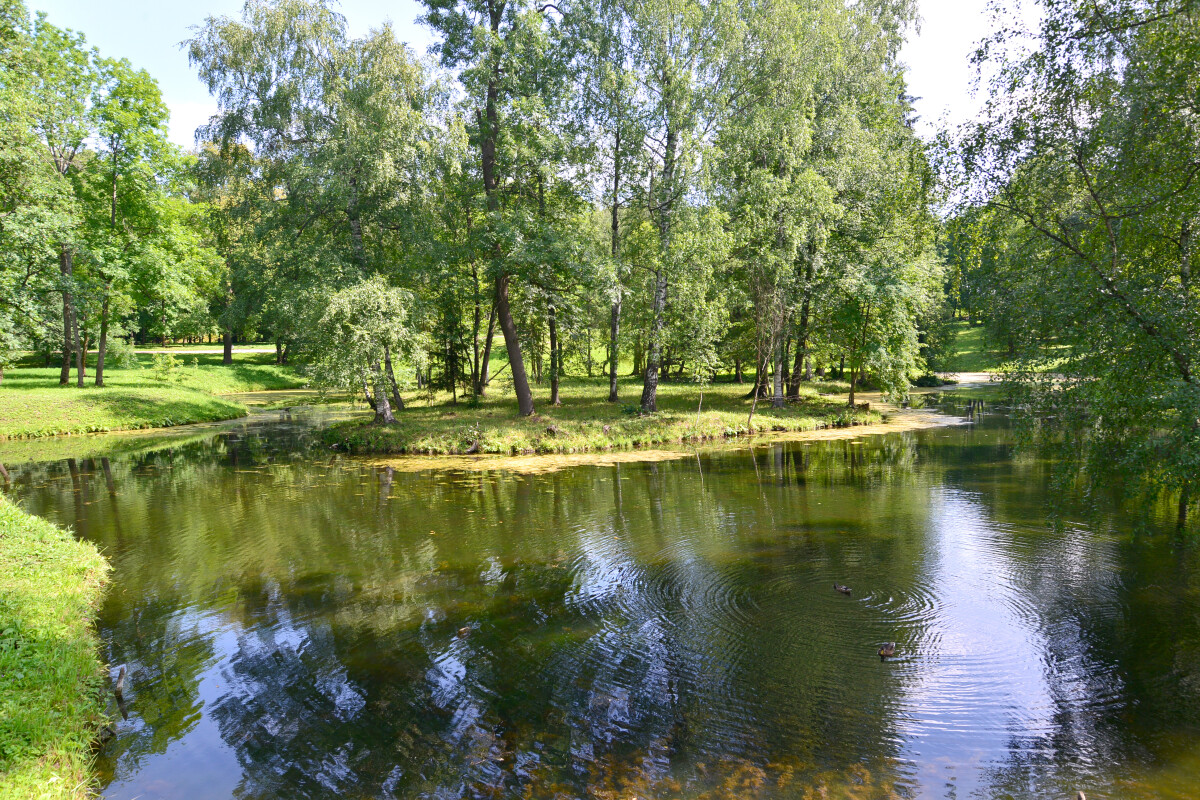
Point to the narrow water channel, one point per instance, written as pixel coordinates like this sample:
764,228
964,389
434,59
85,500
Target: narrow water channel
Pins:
298,624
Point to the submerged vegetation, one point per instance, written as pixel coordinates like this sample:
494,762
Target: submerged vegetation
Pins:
50,698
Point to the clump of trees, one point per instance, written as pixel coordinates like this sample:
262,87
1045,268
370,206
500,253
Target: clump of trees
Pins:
687,187
1076,237
100,235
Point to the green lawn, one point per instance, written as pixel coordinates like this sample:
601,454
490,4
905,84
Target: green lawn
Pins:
587,422
33,404
51,687
970,350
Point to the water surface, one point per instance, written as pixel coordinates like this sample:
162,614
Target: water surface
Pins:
301,624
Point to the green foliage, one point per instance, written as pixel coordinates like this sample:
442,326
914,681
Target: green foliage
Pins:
164,366
361,326
121,354
1080,225
50,673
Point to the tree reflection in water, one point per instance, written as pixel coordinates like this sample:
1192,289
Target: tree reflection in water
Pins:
308,626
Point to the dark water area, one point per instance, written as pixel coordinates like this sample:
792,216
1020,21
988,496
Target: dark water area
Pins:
300,624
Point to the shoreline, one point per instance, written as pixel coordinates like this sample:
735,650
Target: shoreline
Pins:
50,669
895,421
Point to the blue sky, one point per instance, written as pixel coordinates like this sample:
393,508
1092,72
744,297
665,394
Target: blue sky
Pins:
148,33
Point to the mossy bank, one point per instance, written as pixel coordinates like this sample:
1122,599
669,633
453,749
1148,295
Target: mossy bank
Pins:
51,694
586,422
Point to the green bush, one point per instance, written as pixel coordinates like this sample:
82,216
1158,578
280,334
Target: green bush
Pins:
119,354
164,366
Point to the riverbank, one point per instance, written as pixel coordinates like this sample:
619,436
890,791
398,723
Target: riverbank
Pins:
157,392
586,422
51,700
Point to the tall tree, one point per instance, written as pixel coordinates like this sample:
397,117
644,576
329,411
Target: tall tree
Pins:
487,40
64,78
680,49
130,123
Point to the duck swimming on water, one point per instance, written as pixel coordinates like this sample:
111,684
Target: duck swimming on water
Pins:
887,651
837,587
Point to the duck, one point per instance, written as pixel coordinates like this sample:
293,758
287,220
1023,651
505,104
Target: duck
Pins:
837,587
464,631
888,650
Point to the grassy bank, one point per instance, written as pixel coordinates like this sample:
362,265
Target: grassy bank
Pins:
971,350
587,422
152,395
51,699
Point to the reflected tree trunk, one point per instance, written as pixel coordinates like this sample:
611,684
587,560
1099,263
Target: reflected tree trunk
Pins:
108,476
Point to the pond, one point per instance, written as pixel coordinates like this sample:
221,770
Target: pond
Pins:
297,623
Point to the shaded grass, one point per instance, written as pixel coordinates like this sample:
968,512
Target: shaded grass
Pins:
51,700
587,422
250,372
32,404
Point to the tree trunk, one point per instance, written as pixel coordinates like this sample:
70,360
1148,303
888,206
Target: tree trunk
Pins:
614,324
485,364
654,350
777,394
737,370
397,400
555,355
665,230
103,345
227,347
787,351
515,362
488,127
366,390
383,409
590,362
70,332
762,376
477,374
80,353
802,332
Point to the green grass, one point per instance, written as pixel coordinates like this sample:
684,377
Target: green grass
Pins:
32,404
972,352
586,422
51,700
